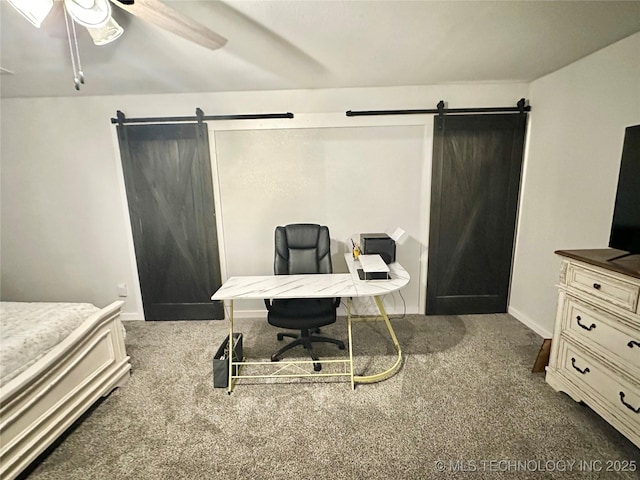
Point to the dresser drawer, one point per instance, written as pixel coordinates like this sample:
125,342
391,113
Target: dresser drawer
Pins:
619,397
604,287
603,329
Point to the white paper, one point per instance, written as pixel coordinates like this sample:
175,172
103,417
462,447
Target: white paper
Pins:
397,235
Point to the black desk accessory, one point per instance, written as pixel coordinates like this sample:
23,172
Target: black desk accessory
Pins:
380,244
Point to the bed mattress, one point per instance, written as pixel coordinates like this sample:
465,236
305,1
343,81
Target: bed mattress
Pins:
30,330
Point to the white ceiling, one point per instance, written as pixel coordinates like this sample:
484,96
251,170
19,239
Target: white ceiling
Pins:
298,44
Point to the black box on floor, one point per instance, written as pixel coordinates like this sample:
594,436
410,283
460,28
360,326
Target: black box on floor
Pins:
221,361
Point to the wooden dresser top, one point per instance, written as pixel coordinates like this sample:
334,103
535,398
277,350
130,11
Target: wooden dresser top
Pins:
601,258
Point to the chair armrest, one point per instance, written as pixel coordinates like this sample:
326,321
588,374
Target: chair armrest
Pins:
267,303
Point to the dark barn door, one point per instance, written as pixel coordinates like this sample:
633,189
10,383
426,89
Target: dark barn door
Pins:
477,161
167,173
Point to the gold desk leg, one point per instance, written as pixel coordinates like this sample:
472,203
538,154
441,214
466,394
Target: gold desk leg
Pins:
353,385
230,348
396,366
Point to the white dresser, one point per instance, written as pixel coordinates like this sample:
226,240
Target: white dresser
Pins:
595,351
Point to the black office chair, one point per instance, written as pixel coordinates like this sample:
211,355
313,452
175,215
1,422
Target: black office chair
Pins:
302,248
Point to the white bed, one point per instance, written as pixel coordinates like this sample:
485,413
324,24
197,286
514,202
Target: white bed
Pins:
52,386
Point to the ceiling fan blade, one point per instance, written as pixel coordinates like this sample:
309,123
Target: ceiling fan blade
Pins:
159,14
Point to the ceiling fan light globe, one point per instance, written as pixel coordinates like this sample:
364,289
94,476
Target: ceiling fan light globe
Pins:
89,13
107,33
33,10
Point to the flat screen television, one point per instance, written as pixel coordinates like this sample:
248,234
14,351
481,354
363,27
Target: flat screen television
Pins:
625,228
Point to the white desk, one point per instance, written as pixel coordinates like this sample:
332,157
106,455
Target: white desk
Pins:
344,285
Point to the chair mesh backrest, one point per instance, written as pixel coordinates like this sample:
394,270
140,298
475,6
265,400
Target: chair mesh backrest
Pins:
302,248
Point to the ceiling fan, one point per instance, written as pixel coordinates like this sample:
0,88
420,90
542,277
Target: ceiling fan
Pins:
159,14
95,15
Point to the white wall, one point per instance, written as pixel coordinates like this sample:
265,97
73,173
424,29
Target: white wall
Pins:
338,177
65,230
571,170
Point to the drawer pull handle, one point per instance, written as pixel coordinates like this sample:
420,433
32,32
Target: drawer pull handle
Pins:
632,343
590,327
636,410
573,364
597,286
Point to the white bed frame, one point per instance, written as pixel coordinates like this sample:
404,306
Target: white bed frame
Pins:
38,405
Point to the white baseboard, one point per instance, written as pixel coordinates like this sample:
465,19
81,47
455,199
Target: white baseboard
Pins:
543,332
131,316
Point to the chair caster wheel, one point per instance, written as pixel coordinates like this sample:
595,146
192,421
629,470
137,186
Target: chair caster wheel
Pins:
280,337
317,367
274,358
342,347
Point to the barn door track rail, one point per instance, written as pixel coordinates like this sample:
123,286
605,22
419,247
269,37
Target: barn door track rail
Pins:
199,117
522,106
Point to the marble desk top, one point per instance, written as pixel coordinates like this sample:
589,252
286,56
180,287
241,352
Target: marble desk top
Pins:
312,286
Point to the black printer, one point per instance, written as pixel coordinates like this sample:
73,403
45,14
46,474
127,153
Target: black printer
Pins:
379,243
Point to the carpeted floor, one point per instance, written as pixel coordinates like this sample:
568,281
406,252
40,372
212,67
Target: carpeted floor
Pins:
465,397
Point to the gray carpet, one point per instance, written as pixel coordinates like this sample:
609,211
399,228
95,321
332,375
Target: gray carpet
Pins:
465,396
